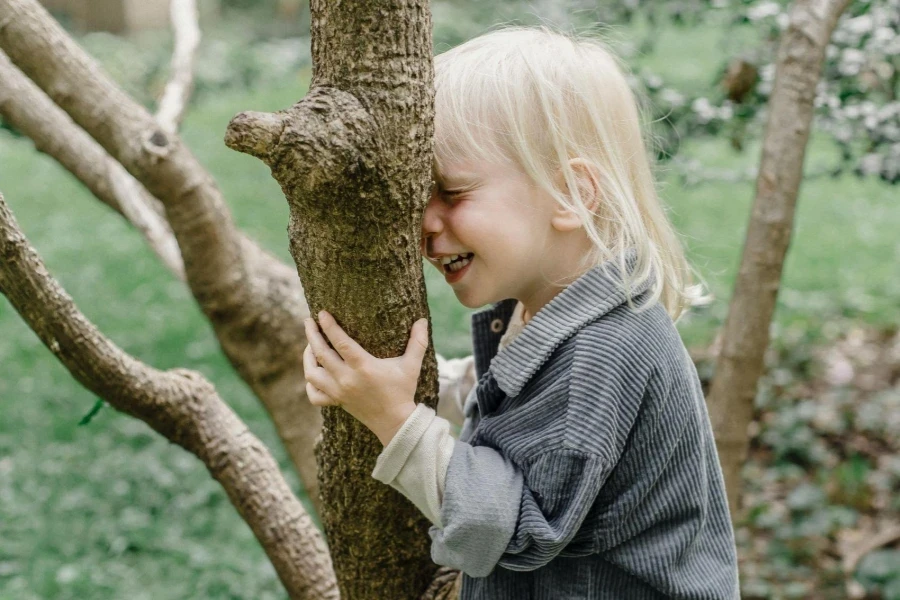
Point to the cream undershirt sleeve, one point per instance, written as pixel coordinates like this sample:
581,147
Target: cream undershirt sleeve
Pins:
415,460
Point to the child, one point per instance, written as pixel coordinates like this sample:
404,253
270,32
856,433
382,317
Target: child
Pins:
586,466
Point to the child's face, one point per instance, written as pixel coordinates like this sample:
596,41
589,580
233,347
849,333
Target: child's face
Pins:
495,217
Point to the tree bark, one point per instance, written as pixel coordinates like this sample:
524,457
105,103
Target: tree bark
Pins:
354,160
254,302
745,337
179,404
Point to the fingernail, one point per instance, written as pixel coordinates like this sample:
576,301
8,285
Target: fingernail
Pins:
322,314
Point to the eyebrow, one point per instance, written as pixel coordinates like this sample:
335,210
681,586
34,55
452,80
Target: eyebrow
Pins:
461,179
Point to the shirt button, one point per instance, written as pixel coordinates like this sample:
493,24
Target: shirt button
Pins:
497,325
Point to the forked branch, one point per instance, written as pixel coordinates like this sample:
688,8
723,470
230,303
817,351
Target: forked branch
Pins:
254,302
179,404
24,106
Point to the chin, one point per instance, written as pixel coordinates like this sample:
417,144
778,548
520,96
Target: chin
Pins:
468,300
469,303
473,301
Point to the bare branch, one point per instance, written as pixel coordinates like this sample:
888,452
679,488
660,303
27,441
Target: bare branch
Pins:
29,110
313,142
179,404
254,133
254,302
210,244
181,80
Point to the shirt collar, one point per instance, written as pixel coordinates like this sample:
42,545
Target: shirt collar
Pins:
588,298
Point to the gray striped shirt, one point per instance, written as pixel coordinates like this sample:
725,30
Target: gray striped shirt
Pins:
586,467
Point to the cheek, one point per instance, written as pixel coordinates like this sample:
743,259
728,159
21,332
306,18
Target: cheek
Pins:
464,221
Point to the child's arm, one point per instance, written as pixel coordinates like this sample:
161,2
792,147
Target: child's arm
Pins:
415,462
380,393
486,510
492,511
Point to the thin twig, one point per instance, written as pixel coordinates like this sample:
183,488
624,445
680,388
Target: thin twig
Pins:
178,90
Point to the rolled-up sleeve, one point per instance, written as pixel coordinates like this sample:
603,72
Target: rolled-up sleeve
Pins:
495,513
479,512
559,490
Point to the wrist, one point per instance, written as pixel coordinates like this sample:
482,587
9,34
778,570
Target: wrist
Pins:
388,427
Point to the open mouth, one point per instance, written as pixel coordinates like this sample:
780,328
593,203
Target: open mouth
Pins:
456,262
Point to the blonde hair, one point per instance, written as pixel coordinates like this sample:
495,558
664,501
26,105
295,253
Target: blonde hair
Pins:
535,99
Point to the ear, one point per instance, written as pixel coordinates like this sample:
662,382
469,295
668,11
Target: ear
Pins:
588,182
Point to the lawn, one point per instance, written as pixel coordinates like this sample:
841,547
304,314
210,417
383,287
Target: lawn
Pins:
110,510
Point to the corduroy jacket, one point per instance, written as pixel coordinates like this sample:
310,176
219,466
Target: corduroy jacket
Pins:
586,467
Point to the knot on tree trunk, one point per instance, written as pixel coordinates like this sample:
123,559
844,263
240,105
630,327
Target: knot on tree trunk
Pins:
255,133
316,144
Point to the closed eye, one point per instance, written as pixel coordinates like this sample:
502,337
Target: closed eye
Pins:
455,194
451,197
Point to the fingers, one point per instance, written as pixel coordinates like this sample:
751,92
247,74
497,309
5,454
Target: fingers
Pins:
315,375
417,345
349,350
309,362
325,356
317,397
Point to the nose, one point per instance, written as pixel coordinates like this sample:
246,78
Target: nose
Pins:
433,220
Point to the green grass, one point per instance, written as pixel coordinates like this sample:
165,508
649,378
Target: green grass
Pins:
110,510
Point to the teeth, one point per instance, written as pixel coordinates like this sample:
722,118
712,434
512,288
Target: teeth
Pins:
446,260
457,266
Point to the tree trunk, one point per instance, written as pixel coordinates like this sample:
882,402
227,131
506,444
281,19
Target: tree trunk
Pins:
746,332
354,161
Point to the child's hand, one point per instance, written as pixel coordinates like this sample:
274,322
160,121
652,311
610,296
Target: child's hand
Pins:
378,392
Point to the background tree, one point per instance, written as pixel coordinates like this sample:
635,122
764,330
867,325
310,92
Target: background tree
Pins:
746,334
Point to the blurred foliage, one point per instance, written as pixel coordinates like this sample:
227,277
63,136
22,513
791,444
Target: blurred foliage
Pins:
857,100
259,43
824,470
231,56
